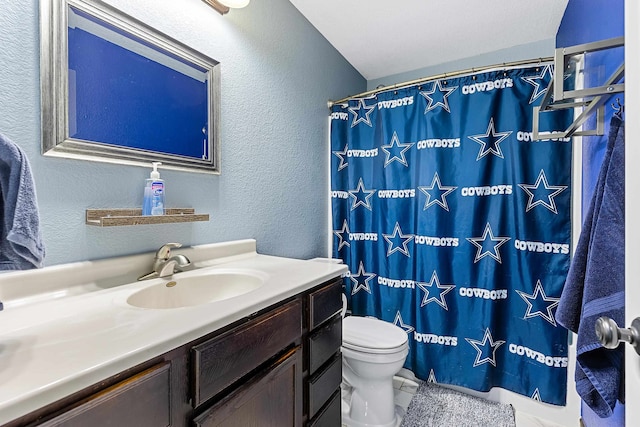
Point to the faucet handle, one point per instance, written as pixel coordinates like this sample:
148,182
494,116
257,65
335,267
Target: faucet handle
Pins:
165,250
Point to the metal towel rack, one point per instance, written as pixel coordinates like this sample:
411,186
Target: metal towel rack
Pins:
590,99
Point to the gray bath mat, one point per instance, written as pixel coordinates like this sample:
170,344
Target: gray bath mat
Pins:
436,406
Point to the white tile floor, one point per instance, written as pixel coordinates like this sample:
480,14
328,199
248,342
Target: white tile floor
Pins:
526,420
405,387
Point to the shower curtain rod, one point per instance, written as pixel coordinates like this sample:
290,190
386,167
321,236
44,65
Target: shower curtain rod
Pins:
440,76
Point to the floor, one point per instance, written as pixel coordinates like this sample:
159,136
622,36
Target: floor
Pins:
405,387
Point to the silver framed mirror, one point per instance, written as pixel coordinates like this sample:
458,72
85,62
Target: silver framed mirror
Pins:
114,89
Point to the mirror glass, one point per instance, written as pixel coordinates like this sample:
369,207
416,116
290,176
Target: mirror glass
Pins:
114,89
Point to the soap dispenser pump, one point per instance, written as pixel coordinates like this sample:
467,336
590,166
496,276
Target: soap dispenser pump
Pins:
154,193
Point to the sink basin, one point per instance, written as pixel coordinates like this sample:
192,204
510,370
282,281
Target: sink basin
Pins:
196,290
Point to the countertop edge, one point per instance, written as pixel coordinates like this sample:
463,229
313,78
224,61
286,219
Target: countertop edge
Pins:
13,409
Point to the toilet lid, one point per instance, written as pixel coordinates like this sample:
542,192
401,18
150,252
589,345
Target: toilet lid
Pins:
371,333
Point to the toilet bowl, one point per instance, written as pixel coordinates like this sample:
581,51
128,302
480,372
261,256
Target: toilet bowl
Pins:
373,351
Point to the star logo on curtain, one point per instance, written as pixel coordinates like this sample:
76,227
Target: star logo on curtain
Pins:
437,96
490,141
361,113
361,196
361,280
436,193
488,245
432,377
543,304
543,196
429,289
536,395
398,240
342,240
341,155
486,349
395,150
540,82
399,323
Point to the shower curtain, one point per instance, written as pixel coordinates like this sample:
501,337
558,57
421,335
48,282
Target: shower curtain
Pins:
455,226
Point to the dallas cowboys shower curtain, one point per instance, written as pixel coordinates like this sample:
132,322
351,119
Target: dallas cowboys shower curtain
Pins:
455,226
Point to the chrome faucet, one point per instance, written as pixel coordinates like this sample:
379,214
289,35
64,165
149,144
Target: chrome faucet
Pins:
164,264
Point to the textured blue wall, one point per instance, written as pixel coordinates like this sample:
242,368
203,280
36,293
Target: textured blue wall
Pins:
586,21
277,74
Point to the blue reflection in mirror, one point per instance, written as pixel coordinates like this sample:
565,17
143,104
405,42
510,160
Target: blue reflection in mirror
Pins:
129,93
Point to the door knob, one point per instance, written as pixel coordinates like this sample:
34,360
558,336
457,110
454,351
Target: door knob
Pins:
610,335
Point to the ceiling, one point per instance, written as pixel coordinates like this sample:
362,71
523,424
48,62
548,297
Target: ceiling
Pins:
386,37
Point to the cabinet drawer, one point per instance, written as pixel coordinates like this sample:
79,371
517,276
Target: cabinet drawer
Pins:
272,398
223,360
324,384
324,303
324,343
331,415
141,401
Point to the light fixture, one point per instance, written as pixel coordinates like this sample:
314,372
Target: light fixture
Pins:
223,6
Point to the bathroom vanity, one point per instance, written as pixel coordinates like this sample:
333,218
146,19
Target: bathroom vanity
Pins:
271,354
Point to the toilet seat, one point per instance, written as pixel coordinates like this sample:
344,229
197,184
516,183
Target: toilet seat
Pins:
373,336
374,350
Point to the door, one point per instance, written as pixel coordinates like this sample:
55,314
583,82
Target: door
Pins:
632,224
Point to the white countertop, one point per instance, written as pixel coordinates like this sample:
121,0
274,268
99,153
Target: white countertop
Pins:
57,342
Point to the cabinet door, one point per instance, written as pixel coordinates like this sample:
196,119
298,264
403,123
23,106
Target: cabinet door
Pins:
270,399
324,303
223,360
324,343
331,415
324,384
141,401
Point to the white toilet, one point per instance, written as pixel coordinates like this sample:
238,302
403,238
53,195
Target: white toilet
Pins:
373,351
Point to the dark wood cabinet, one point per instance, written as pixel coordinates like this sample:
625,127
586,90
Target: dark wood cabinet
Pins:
223,360
324,303
331,414
141,400
270,399
279,367
324,339
323,384
324,343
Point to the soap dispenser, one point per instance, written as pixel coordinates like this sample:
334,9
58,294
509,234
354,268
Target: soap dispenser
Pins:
153,193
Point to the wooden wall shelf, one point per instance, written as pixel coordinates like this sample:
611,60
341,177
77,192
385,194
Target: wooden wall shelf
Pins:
120,217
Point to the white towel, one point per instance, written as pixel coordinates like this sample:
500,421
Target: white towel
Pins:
21,246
